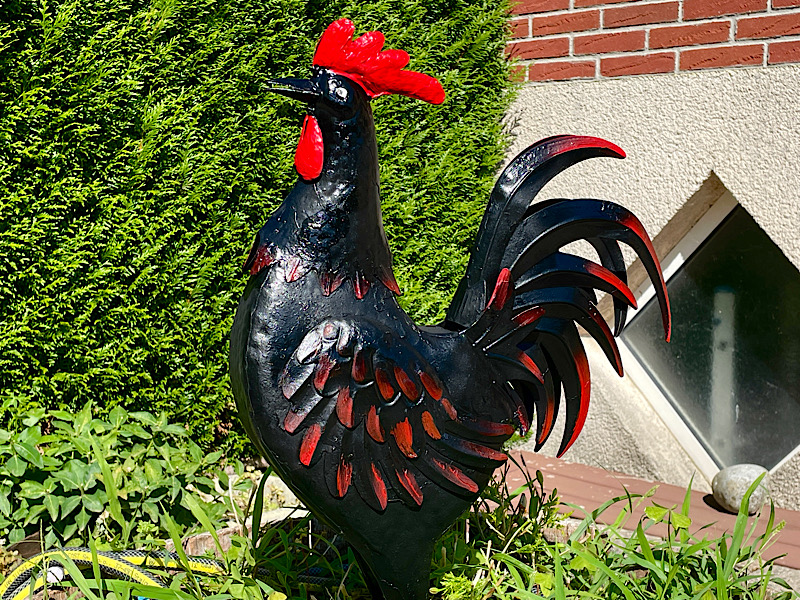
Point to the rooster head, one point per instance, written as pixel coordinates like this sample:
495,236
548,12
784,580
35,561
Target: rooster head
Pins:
348,73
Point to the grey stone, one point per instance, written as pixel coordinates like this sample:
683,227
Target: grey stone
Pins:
730,485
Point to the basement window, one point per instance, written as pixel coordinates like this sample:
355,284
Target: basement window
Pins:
732,369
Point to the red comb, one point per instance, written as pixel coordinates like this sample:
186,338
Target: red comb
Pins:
378,72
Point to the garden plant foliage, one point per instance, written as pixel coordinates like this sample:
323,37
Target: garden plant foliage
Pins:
139,154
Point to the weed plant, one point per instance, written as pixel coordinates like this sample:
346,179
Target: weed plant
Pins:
69,476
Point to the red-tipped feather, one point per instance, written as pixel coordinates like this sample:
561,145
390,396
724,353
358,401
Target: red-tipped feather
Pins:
359,367
456,475
378,72
430,427
449,409
344,407
309,444
404,437
384,385
501,291
343,476
407,385
322,372
378,485
374,428
431,385
360,285
409,482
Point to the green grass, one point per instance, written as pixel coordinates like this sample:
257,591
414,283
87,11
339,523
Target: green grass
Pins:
496,550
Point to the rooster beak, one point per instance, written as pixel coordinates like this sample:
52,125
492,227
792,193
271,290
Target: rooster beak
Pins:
299,89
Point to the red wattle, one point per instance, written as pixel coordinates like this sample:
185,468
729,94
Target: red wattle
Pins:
309,154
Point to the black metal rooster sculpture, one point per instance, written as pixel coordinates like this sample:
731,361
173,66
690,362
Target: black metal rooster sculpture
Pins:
387,430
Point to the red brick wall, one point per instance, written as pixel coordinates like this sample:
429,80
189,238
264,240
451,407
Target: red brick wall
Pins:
595,39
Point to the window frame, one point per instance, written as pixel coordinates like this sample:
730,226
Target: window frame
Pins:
637,372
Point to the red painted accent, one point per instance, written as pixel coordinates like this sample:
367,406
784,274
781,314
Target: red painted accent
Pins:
374,428
344,407
323,370
360,285
501,291
407,385
344,474
384,385
608,276
309,155
409,482
530,365
293,270
489,428
330,282
378,486
601,323
378,72
262,260
387,278
549,418
526,317
293,420
583,376
309,443
577,142
359,367
456,475
522,419
636,226
431,385
449,409
404,437
484,451
429,426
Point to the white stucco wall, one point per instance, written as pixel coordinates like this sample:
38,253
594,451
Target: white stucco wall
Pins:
741,124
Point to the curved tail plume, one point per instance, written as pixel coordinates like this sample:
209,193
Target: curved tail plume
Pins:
522,296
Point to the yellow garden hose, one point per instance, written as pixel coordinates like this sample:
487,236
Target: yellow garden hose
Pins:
129,566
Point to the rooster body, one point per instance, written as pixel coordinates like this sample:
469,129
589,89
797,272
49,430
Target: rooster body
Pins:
387,430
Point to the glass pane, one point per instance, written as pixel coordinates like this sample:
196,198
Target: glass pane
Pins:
732,369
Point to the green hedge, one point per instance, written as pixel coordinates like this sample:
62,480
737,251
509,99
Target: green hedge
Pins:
139,154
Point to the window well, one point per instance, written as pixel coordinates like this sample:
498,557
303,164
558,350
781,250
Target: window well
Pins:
732,369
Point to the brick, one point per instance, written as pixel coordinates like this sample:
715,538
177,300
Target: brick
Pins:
704,9
585,3
519,73
783,52
623,16
764,27
548,48
519,28
561,70
625,41
783,3
724,56
525,7
690,35
573,21
661,62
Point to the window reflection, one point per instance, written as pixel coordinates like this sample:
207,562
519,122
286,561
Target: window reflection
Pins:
732,369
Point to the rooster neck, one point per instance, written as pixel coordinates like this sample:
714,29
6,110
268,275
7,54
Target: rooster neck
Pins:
333,225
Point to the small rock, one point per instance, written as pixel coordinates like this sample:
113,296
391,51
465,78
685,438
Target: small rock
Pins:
731,484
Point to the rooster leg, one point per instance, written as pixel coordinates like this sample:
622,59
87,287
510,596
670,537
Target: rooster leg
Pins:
399,572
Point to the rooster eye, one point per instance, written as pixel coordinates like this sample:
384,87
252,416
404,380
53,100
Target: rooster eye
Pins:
340,93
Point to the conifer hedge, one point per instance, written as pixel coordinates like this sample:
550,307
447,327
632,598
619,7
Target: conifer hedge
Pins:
139,154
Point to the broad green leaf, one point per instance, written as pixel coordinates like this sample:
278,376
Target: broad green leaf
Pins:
656,512
52,503
29,453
